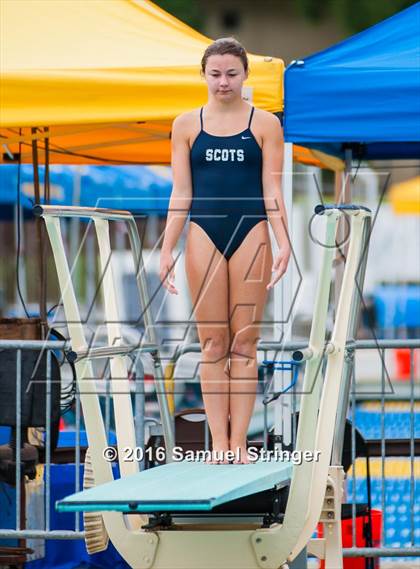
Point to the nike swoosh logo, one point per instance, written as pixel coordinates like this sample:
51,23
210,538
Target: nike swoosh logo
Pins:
245,137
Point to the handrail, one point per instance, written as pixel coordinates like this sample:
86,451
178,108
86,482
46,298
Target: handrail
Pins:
40,210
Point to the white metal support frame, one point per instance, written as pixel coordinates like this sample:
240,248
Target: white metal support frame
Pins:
117,527
114,522
329,547
235,545
123,410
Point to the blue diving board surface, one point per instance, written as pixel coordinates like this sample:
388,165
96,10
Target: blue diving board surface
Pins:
180,486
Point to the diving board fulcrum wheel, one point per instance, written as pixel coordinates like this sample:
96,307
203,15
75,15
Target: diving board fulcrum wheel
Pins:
96,536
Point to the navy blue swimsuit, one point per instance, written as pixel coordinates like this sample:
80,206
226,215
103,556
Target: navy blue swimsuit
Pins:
227,200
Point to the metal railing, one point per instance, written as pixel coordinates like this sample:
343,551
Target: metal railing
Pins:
47,347
278,351
411,394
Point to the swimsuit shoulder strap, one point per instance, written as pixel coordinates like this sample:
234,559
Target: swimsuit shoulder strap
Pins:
201,118
250,117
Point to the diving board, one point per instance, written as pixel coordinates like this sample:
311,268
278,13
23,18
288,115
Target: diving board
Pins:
180,486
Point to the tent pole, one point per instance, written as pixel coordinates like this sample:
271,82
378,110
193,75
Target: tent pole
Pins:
47,196
283,316
39,235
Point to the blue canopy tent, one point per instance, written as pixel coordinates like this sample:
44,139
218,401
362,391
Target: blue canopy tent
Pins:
357,99
362,93
139,189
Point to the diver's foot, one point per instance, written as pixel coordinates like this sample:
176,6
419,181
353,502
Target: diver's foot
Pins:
241,454
218,454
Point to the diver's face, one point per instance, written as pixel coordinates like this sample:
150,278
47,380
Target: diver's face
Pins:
225,75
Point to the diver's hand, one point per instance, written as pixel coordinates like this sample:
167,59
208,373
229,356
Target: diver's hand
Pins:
280,265
166,272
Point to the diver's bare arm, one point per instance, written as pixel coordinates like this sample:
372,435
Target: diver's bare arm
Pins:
273,196
272,176
181,195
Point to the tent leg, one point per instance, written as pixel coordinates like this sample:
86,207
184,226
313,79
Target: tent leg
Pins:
39,239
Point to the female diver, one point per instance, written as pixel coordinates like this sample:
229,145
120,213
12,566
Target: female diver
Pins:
226,161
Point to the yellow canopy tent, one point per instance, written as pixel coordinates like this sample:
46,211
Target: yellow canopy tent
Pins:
405,196
104,80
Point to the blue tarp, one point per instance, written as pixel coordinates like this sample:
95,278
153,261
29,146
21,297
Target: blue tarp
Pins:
139,189
62,484
397,306
364,90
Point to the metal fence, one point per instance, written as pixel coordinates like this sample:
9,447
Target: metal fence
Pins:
48,347
380,448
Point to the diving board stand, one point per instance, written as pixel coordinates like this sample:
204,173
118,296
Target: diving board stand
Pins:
315,488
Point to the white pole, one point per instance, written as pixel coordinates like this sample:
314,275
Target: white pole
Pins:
283,294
